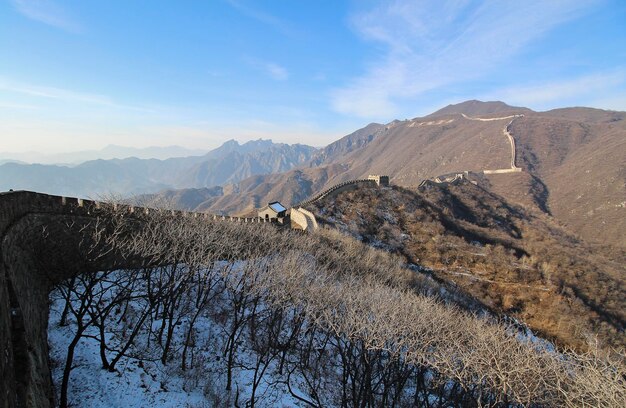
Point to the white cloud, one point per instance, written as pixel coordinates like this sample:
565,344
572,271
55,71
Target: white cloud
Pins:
428,46
47,12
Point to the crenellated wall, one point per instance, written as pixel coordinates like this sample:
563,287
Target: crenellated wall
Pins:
42,241
336,189
305,220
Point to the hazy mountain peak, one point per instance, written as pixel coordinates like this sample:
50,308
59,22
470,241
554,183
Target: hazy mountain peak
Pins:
231,142
260,144
108,152
251,146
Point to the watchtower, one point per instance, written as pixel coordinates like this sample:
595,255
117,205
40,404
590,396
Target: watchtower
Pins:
380,180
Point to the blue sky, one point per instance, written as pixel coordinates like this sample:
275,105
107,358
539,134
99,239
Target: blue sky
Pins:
83,74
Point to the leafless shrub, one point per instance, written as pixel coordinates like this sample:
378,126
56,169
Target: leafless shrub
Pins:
349,320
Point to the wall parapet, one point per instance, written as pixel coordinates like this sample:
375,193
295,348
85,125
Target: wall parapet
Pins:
303,219
24,373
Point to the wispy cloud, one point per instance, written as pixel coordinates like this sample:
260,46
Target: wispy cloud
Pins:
547,95
67,95
262,17
426,48
274,70
47,12
11,105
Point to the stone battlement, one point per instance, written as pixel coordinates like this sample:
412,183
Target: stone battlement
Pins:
37,226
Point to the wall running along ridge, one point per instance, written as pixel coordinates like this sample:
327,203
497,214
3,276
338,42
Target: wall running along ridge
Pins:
454,177
305,219
334,190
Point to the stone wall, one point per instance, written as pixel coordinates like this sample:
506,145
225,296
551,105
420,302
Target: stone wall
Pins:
42,241
380,180
503,171
336,189
303,219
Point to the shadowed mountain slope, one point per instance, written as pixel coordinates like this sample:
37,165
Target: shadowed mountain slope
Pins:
517,261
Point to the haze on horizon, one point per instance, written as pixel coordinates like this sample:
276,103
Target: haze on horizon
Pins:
82,75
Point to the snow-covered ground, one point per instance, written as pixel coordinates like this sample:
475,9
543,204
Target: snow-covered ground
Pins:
144,383
280,356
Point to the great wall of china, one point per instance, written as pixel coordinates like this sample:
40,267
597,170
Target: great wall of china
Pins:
306,219
25,284
454,177
303,218
505,132
336,189
25,280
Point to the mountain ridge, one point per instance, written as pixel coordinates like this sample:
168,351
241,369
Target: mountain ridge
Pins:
230,162
550,147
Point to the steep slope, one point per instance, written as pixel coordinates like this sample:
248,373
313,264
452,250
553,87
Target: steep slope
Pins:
573,160
347,144
582,163
517,261
411,151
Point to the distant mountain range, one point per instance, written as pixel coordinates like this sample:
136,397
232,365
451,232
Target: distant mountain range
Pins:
229,163
107,153
573,163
